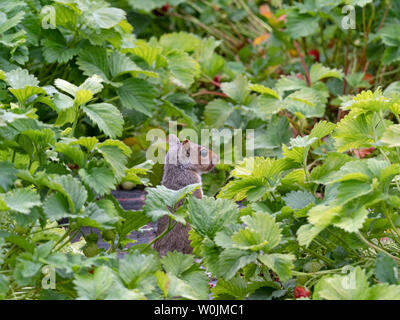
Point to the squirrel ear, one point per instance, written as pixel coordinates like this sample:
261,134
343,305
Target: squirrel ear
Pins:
173,141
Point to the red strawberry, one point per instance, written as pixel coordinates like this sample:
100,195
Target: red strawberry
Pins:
301,292
165,7
314,53
72,166
362,153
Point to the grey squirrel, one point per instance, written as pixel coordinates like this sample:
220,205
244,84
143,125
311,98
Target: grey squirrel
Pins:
184,164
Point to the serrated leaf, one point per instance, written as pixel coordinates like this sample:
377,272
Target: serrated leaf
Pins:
56,207
264,90
261,233
138,94
301,25
237,90
7,175
102,285
391,136
66,86
217,112
319,72
386,269
73,153
21,200
100,179
160,200
208,216
95,216
136,267
20,78
83,97
183,68
107,117
73,189
232,260
88,142
282,264
116,158
298,199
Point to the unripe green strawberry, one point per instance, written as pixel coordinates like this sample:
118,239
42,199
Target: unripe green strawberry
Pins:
92,238
312,266
127,185
21,230
90,250
18,183
109,235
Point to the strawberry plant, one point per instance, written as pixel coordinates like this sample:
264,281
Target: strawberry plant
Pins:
314,214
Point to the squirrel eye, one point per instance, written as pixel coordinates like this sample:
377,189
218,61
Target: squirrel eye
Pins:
204,153
188,153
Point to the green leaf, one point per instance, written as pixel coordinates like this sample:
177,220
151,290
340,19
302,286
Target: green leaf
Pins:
87,142
237,90
102,285
183,68
261,233
94,60
319,72
73,153
136,267
73,190
301,25
4,286
264,90
7,175
161,200
105,18
235,288
386,269
281,264
391,136
181,41
138,94
20,78
232,260
66,86
22,200
208,216
116,158
177,263
357,132
146,52
298,199
23,94
107,117
57,50
390,35
12,22
101,215
100,179
217,112
351,219
306,233
56,207
353,286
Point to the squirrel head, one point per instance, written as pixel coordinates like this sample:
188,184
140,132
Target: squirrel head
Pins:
190,155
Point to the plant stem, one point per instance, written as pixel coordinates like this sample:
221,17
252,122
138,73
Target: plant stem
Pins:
373,246
160,236
302,62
